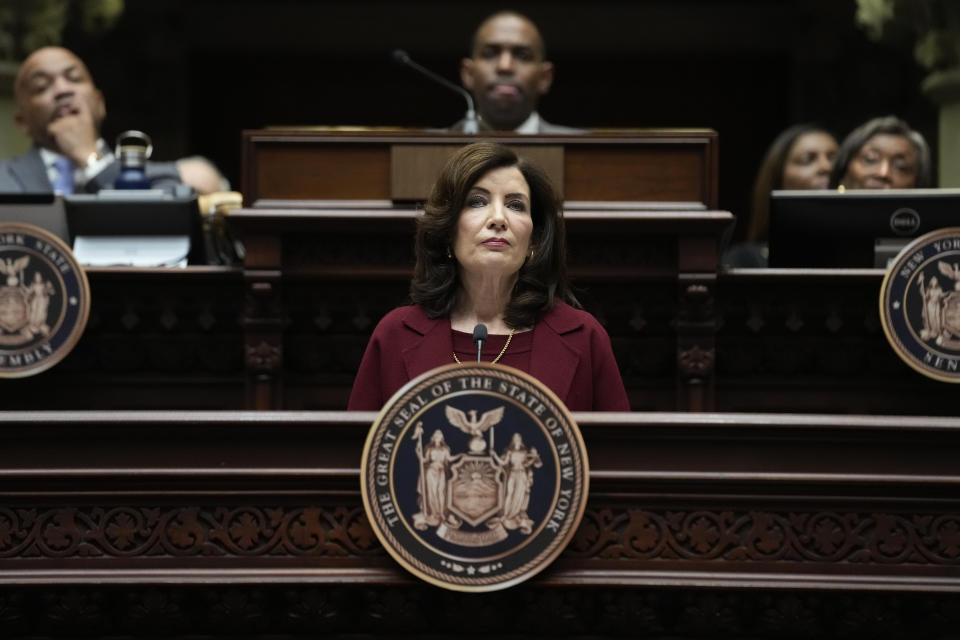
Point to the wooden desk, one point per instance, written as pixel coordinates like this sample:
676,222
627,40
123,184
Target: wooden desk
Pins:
811,340
656,165
319,280
248,524
288,330
156,338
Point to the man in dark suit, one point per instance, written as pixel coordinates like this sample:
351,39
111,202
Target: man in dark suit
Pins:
61,110
507,73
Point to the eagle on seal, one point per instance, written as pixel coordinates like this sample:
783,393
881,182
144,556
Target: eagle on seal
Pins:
474,426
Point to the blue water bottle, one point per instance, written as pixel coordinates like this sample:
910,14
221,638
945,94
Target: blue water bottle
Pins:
133,148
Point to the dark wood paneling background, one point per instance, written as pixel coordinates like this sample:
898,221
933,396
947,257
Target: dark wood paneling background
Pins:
194,73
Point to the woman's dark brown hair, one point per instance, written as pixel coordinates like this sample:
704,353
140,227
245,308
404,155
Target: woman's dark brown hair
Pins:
770,178
542,279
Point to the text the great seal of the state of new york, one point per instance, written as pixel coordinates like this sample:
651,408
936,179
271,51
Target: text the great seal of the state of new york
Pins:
474,477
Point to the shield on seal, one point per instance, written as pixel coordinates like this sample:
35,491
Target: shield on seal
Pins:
951,313
13,309
474,490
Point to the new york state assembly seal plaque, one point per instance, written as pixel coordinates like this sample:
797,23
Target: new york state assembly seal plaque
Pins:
44,300
920,304
474,476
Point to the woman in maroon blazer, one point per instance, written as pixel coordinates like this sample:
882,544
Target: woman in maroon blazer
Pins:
491,249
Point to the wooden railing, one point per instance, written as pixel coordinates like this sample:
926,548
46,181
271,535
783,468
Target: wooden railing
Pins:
264,507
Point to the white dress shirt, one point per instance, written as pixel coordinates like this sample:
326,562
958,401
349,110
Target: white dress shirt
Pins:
81,175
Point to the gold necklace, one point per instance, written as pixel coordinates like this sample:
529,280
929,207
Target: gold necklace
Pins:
499,355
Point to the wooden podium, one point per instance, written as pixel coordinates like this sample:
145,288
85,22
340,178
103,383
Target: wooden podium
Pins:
281,167
248,524
342,203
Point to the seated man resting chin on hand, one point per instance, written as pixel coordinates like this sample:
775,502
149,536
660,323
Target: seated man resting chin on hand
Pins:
60,109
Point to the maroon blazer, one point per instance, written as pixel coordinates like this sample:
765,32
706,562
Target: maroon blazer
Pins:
571,354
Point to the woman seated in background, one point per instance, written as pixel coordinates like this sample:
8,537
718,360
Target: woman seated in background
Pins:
801,157
490,248
883,153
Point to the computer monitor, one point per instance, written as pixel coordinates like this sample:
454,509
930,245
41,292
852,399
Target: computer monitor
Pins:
856,228
43,210
136,215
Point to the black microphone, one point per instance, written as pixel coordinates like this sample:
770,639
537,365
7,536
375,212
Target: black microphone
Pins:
470,125
480,336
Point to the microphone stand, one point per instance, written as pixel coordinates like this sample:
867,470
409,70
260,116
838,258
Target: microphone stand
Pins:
470,125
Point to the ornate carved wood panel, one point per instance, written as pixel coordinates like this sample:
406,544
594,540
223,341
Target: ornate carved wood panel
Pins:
246,524
780,499
811,340
156,338
646,275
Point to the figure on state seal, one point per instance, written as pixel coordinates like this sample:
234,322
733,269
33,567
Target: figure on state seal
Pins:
435,463
517,463
932,294
941,310
38,296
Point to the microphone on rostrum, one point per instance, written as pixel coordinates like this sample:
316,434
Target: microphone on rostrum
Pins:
480,336
470,125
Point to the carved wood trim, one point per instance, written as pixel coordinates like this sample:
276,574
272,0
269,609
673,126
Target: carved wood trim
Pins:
731,539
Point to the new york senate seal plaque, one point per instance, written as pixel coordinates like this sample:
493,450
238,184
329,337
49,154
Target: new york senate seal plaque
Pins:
920,304
44,300
474,477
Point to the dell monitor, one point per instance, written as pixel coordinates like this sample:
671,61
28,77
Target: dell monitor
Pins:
855,228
